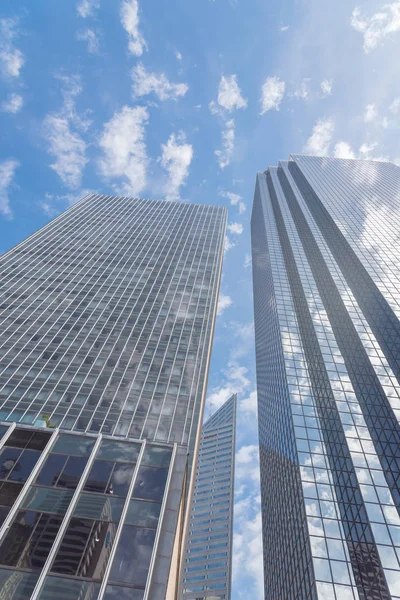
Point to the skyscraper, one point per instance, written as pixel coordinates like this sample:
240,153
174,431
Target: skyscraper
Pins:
326,281
208,560
106,324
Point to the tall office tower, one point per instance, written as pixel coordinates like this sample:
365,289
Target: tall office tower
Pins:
208,559
106,324
326,273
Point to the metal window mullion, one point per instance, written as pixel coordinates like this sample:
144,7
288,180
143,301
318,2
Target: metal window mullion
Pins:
7,434
142,256
65,522
44,270
167,242
6,525
81,247
160,524
120,525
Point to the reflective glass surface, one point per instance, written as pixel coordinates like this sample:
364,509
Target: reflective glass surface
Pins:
132,558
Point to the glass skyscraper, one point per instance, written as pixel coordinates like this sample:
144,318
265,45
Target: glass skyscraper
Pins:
326,275
106,325
208,560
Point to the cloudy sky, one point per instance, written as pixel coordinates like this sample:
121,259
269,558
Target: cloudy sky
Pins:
186,100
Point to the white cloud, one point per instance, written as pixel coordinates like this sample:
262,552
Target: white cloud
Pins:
13,104
228,244
378,27
130,22
272,94
370,113
92,40
228,144
302,91
235,382
234,199
395,106
176,158
319,141
343,150
64,142
229,94
124,148
284,28
145,82
235,228
7,172
67,147
178,56
326,87
11,59
367,148
249,405
224,302
247,261
87,8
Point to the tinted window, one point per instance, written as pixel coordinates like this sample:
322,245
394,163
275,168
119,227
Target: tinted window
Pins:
72,472
132,558
121,478
9,492
49,500
23,467
68,589
143,514
75,445
156,456
99,475
117,592
94,506
51,469
150,483
120,451
18,588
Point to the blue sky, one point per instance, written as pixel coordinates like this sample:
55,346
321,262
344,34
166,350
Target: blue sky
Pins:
186,100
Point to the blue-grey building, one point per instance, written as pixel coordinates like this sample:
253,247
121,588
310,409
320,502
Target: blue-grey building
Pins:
106,324
326,275
208,560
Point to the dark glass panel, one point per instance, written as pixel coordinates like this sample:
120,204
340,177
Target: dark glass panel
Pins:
3,430
47,500
72,472
8,458
143,514
117,592
156,456
132,558
74,445
39,440
96,506
119,451
99,475
9,492
150,483
68,589
19,438
29,540
120,480
4,510
51,470
85,548
18,585
24,465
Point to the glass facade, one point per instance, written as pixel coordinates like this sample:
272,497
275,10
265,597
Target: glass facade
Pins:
327,308
208,559
106,323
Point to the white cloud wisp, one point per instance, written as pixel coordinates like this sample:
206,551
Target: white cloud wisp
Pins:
11,58
378,27
175,159
13,104
130,22
7,172
272,93
144,82
319,142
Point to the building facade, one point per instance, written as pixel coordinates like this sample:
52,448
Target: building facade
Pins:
326,276
208,561
106,325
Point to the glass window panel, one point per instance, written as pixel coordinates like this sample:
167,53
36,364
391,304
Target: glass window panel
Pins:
9,492
29,540
47,500
19,438
96,506
74,445
72,472
132,558
19,585
8,458
51,470
156,456
99,475
119,451
23,467
3,430
121,479
84,549
38,440
68,589
117,592
150,483
143,514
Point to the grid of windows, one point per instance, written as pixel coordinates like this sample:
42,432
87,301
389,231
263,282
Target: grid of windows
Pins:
207,566
310,214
